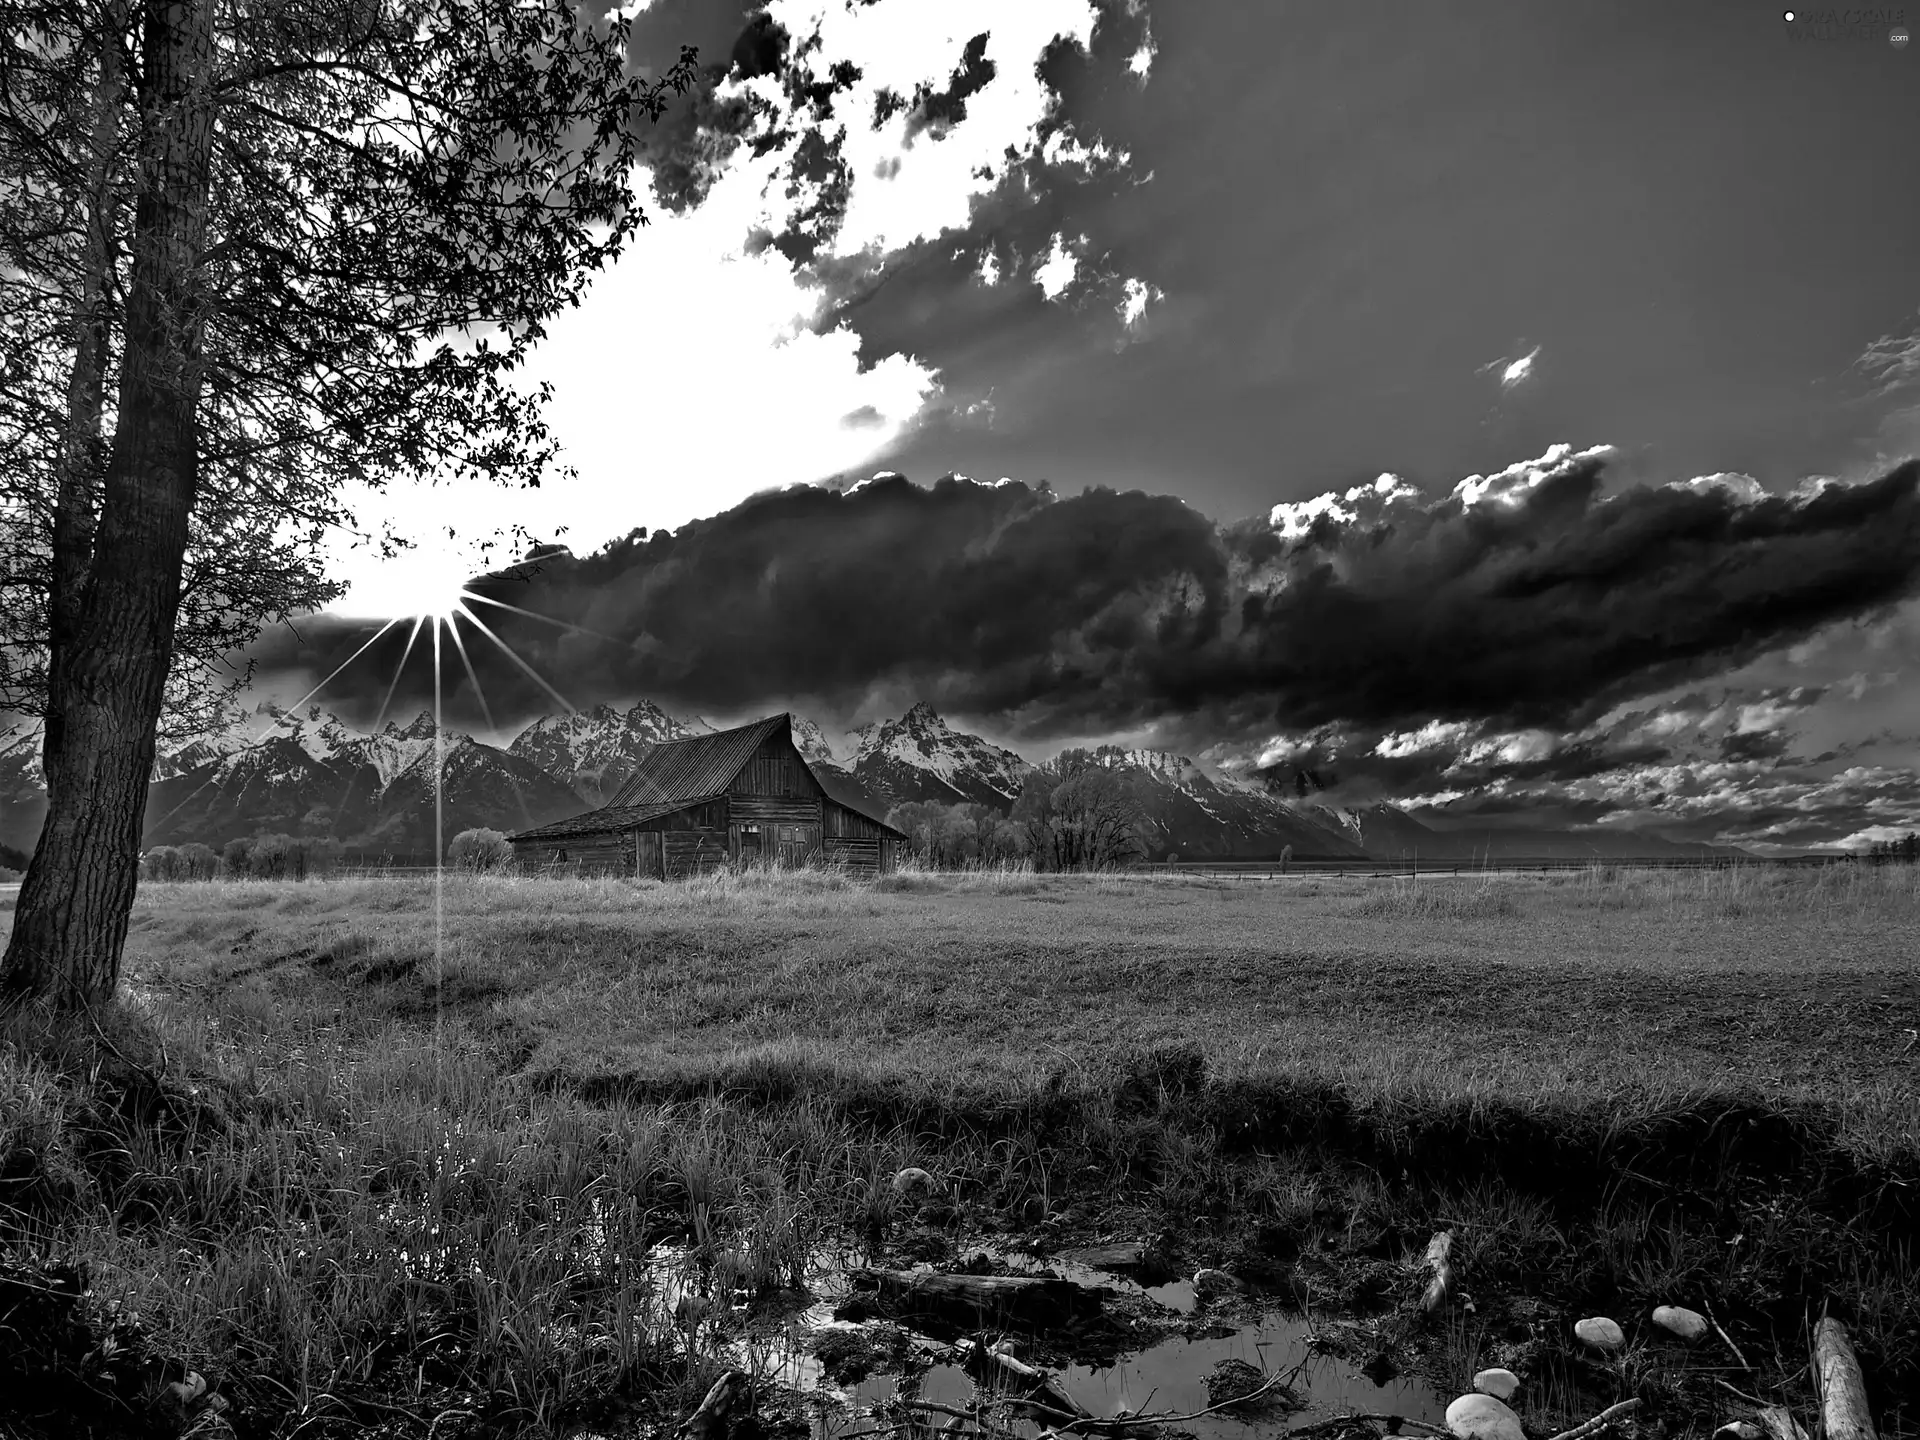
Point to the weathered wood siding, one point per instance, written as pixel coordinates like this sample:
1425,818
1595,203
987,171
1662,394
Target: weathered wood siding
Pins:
710,816
861,844
649,863
599,851
851,824
862,857
768,810
776,772
688,852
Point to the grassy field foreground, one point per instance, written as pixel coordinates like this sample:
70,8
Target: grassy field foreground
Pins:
359,1168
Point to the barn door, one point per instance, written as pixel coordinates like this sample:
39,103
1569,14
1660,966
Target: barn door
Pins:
749,844
647,858
795,843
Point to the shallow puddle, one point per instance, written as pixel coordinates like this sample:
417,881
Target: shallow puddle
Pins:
1167,1375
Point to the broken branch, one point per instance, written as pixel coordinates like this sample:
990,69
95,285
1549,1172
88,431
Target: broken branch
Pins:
1599,1422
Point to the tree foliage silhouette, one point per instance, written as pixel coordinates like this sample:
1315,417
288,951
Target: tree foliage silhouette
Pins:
251,252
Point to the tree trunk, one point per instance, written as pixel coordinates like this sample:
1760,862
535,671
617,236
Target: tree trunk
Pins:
77,498
108,671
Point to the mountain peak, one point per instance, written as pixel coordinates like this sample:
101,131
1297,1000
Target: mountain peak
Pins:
923,714
421,727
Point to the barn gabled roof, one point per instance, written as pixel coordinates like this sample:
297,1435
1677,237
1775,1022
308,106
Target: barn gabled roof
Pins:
683,770
675,774
610,817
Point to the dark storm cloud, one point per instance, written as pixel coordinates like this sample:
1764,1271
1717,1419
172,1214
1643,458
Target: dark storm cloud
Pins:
937,110
1109,610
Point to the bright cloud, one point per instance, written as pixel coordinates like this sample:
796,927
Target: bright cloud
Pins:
1510,485
1054,274
1512,372
1742,487
1134,301
690,377
1293,519
1142,59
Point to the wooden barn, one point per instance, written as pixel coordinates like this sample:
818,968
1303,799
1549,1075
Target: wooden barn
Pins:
737,795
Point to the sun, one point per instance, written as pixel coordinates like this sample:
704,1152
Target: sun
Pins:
421,582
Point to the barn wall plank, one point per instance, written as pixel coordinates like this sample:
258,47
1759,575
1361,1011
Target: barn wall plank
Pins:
842,821
862,857
776,771
687,852
765,810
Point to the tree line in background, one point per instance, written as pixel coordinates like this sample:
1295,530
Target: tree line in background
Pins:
1073,813
1080,821
1904,851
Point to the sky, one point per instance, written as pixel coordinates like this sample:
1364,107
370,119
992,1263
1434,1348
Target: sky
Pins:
1496,406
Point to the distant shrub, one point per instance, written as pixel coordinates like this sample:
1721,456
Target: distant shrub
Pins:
199,861
954,837
236,859
278,857
479,849
291,857
8,875
162,862
12,859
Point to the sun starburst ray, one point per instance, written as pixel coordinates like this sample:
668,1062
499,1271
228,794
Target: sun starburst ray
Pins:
294,708
543,619
486,711
533,674
399,669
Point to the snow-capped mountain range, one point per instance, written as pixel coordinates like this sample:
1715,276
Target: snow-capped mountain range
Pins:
1200,812
593,751
312,773
921,757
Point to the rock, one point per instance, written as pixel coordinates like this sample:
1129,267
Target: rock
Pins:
182,1395
1676,1320
1500,1384
1234,1381
913,1183
729,1402
1601,1333
1481,1417
1738,1430
1209,1284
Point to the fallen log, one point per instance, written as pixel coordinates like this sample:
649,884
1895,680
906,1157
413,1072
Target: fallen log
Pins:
1599,1422
1779,1423
972,1301
1023,1383
1843,1394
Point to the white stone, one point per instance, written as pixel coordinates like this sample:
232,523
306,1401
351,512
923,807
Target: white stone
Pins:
1498,1383
1677,1320
1481,1417
1208,1283
913,1181
1601,1333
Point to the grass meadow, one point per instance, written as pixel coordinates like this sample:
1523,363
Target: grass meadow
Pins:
363,1166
